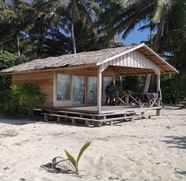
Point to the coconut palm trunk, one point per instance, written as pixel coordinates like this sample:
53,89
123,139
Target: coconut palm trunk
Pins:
18,46
73,38
73,16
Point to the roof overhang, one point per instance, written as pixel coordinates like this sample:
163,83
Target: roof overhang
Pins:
151,56
51,69
164,66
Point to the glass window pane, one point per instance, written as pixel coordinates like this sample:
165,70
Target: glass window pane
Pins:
106,81
92,90
63,87
78,89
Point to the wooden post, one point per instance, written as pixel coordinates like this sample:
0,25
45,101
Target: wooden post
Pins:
114,80
159,89
147,83
158,82
85,90
54,88
121,82
45,117
99,90
158,111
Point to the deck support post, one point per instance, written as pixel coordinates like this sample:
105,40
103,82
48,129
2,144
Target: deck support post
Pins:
147,83
114,80
159,88
158,111
99,90
54,88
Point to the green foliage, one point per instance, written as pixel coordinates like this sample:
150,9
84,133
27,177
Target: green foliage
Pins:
72,160
44,28
8,59
75,161
165,20
133,83
8,103
162,7
173,89
4,83
21,99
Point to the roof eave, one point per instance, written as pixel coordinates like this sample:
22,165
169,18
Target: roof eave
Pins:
48,69
173,70
143,45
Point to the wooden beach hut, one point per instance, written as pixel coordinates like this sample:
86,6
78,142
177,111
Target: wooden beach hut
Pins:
75,83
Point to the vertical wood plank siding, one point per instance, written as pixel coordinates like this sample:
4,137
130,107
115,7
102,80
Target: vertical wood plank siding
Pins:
134,60
42,79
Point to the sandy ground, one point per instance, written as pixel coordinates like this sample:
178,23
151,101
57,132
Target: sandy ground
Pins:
151,150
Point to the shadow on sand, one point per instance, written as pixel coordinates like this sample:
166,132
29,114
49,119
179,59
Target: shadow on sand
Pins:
16,121
24,121
175,141
180,172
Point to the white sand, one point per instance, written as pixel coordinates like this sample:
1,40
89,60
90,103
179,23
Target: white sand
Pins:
151,150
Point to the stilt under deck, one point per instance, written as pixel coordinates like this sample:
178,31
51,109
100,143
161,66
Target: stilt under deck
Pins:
89,115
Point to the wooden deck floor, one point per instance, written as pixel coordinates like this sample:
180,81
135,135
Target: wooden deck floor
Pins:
107,109
88,115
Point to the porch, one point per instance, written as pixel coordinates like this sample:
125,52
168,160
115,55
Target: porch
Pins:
78,90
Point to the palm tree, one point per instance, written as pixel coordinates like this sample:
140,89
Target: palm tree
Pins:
163,6
122,17
72,12
21,21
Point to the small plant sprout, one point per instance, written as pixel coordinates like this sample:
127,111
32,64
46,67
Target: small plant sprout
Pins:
56,161
75,161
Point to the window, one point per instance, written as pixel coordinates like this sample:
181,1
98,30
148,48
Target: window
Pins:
78,89
106,81
63,87
92,90
71,90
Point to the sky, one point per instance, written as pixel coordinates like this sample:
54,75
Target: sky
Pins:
136,36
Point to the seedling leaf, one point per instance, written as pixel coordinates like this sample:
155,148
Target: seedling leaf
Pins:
72,160
82,150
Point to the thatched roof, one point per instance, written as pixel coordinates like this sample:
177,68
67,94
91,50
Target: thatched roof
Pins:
88,58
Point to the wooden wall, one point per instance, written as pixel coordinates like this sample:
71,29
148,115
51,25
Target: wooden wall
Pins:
43,79
134,61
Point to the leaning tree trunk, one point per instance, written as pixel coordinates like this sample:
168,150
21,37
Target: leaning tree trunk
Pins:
73,38
18,46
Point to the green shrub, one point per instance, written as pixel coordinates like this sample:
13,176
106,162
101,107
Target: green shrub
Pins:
21,99
8,104
173,89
